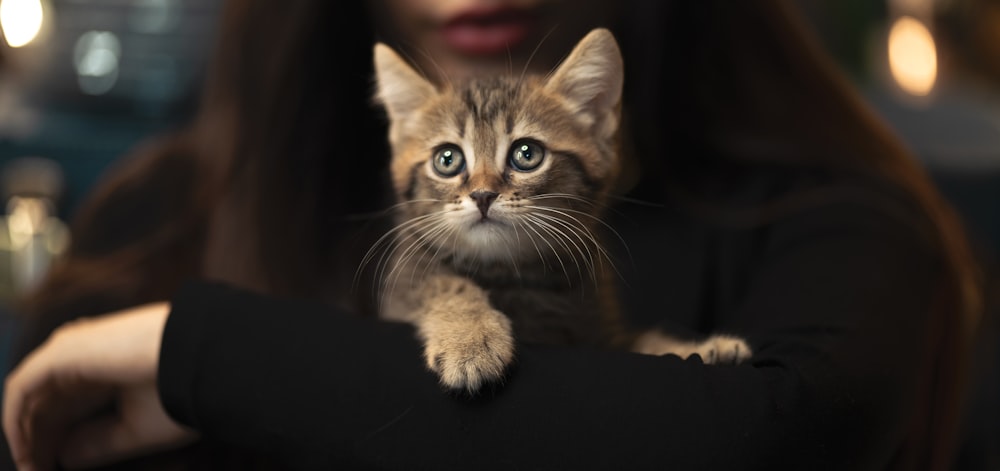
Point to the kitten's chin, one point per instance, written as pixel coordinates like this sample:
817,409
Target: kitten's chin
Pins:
490,240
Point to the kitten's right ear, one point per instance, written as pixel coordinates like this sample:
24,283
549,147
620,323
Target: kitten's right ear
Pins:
401,89
590,80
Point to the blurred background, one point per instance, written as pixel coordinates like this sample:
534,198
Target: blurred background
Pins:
84,81
81,83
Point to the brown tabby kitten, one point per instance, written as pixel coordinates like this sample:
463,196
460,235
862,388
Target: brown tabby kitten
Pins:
500,182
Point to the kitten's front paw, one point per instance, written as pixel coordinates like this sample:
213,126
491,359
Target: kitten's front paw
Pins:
722,349
470,354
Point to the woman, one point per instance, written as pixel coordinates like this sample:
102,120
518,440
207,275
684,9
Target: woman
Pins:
783,211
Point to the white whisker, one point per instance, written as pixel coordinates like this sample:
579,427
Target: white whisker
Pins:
563,196
554,233
411,230
527,63
546,240
429,236
580,230
393,234
565,211
589,256
545,263
510,254
452,234
444,75
401,262
389,256
398,260
604,253
383,212
577,198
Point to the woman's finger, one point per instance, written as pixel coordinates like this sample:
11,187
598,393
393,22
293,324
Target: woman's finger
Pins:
50,411
11,423
99,442
140,427
119,349
20,387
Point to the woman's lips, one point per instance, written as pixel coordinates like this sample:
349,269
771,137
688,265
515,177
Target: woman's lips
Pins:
486,32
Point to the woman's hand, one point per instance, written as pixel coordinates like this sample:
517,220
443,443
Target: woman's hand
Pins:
88,395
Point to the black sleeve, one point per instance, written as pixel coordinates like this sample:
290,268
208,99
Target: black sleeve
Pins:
836,313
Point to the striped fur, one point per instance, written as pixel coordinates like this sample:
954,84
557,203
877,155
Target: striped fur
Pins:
494,250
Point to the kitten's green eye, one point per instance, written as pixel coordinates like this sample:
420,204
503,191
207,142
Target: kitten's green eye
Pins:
526,155
448,161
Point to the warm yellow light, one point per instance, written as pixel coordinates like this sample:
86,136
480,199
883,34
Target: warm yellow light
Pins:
912,56
21,20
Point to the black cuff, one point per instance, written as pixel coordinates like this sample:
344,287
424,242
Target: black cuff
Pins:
180,350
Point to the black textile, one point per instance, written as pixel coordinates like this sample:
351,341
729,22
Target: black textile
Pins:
833,297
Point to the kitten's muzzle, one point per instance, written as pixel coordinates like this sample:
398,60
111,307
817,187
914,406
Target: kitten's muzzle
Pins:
483,200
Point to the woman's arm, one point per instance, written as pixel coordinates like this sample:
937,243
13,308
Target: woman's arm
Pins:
87,396
837,313
834,382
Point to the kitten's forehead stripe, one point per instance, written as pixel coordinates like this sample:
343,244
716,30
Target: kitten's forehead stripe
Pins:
484,142
490,103
461,118
469,98
488,98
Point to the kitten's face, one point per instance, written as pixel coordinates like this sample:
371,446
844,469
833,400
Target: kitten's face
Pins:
505,167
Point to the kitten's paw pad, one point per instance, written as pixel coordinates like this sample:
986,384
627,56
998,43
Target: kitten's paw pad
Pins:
471,356
723,349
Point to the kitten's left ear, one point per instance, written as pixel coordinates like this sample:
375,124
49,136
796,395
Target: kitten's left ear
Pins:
401,89
591,79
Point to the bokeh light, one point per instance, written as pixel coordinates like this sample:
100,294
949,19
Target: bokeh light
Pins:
154,16
21,20
912,56
96,57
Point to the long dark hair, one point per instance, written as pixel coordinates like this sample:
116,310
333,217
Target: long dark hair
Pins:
748,82
257,190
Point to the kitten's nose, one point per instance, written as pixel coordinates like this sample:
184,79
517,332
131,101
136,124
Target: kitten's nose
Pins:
484,199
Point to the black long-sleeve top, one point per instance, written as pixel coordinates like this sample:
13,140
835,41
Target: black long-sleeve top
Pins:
831,284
